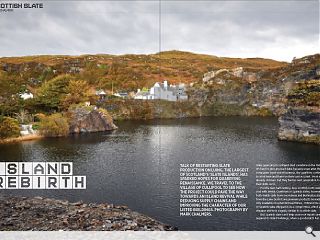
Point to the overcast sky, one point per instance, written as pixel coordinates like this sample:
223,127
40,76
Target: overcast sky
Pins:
271,29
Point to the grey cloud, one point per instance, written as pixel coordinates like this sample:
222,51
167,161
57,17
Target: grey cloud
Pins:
81,27
273,29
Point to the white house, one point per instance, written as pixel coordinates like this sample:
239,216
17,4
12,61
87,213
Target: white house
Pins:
26,95
164,91
26,129
121,94
142,95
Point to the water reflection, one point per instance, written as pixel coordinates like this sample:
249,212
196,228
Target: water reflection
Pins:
138,164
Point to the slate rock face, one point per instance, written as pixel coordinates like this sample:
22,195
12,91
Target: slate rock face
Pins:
45,214
301,122
302,125
87,120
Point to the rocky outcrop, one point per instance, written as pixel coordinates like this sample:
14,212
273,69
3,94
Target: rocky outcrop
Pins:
301,122
300,125
259,89
86,119
44,214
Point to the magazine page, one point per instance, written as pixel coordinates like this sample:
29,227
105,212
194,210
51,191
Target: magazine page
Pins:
159,119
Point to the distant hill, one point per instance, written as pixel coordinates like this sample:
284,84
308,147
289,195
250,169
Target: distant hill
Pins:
126,72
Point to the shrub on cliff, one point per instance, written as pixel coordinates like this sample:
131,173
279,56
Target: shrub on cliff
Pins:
105,114
307,93
9,127
54,125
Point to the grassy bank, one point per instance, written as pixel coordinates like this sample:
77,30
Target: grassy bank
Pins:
21,138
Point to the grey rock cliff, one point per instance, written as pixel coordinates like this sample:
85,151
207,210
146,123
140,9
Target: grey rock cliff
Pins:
300,125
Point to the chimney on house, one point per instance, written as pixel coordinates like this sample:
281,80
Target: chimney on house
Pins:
165,84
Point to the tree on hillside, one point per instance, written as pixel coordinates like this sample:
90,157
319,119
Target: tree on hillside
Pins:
78,91
51,93
10,86
24,117
9,127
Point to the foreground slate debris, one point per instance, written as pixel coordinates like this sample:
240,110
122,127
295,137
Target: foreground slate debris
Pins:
44,214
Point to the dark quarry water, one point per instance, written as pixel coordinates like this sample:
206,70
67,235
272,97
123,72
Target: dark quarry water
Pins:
138,165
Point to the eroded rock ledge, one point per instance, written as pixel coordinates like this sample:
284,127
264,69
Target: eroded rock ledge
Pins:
301,125
44,214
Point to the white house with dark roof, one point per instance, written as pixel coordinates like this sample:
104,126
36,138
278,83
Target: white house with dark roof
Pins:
102,94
